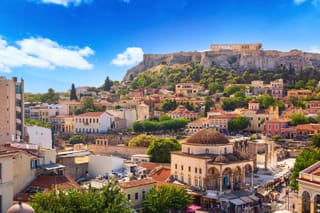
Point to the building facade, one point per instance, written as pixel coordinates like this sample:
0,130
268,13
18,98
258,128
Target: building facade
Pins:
309,189
11,110
93,122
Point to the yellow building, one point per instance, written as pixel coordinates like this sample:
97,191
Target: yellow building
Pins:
137,190
309,189
63,124
299,93
258,116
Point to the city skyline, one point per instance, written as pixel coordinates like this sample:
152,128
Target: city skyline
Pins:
54,43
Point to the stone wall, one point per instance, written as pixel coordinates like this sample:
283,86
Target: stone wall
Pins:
120,151
231,59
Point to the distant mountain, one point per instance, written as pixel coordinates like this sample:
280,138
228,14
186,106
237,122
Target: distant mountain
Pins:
237,60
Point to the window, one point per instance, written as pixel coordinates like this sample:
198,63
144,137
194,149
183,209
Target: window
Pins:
34,163
182,179
176,166
199,170
0,203
136,196
143,195
189,180
189,168
182,167
196,181
196,170
129,197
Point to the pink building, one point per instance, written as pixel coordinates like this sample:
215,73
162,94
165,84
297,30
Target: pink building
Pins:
275,127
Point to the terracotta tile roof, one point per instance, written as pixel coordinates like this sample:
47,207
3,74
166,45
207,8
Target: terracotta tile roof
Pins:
311,127
316,171
64,116
161,174
136,183
45,183
73,102
200,121
93,114
150,166
5,151
226,116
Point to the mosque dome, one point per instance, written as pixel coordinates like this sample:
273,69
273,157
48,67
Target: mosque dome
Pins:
21,208
208,136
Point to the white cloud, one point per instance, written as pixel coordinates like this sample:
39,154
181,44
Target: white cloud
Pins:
313,2
42,53
131,56
314,49
65,3
299,1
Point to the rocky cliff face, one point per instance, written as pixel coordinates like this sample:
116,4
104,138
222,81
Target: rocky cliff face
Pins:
227,59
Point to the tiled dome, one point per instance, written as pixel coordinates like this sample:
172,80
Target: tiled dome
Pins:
208,136
21,208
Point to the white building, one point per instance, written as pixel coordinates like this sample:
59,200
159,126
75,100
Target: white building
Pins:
40,136
102,165
130,115
93,122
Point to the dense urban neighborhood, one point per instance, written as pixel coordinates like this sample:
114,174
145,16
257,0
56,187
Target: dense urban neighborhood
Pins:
174,138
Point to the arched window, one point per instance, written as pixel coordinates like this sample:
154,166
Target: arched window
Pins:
305,202
317,203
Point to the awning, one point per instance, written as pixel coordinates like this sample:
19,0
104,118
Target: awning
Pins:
52,166
253,197
246,199
237,202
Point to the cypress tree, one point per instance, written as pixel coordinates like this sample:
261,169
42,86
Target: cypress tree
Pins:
73,95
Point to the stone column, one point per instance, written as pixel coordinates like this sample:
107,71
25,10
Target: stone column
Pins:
312,206
252,180
231,181
220,183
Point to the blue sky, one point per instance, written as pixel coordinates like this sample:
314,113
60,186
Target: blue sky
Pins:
54,43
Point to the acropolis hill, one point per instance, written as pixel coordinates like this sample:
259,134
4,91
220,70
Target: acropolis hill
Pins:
239,57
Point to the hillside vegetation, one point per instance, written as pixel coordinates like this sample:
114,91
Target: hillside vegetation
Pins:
214,78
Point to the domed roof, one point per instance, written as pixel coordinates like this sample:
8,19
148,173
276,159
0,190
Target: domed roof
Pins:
21,208
208,136
221,159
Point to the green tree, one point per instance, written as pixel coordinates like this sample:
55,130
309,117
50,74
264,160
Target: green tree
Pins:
168,105
265,101
208,104
164,118
233,103
107,84
50,97
316,140
298,119
141,140
88,104
160,149
311,84
305,159
299,84
76,139
138,126
108,200
73,95
167,199
34,122
232,89
238,124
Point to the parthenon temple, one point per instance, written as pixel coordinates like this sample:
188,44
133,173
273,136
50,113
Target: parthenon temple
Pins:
236,47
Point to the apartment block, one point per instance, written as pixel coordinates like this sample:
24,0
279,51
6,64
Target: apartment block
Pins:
11,110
